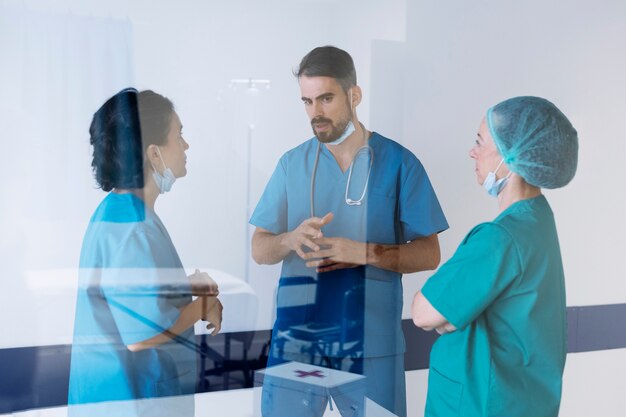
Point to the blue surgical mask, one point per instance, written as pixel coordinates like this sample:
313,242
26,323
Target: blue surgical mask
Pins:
347,132
163,181
494,186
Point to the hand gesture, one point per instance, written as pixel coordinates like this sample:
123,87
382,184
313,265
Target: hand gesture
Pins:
212,312
336,253
305,234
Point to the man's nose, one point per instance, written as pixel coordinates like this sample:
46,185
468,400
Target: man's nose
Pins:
317,109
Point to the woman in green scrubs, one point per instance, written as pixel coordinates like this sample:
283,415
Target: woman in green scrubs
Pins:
499,302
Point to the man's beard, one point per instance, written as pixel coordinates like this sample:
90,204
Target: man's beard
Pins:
335,131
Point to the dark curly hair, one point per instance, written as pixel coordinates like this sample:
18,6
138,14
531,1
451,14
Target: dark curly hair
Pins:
120,132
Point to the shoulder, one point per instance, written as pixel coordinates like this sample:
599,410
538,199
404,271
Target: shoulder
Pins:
120,208
121,220
494,229
145,244
299,152
494,237
391,151
525,216
296,157
124,233
383,143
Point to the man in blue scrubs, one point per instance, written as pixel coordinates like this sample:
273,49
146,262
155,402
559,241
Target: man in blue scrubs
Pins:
352,210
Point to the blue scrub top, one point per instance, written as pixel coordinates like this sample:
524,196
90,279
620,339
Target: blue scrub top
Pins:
400,205
504,291
131,287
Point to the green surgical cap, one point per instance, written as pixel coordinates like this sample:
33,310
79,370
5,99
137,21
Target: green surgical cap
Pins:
535,139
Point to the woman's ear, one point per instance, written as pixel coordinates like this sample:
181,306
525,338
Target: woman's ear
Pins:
152,155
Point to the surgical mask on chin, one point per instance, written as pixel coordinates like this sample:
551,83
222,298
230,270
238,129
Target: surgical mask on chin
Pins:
494,186
347,132
163,181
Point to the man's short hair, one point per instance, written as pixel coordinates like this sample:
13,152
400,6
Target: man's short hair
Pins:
328,61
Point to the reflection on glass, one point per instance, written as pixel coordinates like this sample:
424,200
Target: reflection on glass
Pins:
134,351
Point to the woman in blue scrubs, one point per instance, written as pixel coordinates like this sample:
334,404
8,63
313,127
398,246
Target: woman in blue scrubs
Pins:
499,302
134,352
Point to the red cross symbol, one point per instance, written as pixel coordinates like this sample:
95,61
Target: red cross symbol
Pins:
304,374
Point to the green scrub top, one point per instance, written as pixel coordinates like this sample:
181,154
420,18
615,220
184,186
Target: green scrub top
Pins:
504,291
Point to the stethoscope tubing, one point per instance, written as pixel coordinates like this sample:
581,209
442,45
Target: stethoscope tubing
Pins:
348,200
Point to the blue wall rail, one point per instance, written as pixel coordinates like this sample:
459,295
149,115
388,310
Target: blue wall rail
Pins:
37,377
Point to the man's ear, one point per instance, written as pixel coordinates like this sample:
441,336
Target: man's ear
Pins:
355,96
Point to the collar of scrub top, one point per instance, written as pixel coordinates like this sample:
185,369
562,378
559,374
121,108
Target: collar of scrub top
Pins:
367,148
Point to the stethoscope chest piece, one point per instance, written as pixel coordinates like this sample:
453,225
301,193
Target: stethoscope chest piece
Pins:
365,148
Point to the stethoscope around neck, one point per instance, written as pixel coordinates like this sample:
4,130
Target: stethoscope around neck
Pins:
348,200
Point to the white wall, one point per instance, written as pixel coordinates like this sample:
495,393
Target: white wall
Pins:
463,57
188,51
433,68
466,56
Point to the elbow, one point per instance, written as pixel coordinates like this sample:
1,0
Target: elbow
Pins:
256,256
416,320
427,254
434,261
255,251
416,312
259,257
419,321
135,347
420,313
435,257
428,263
